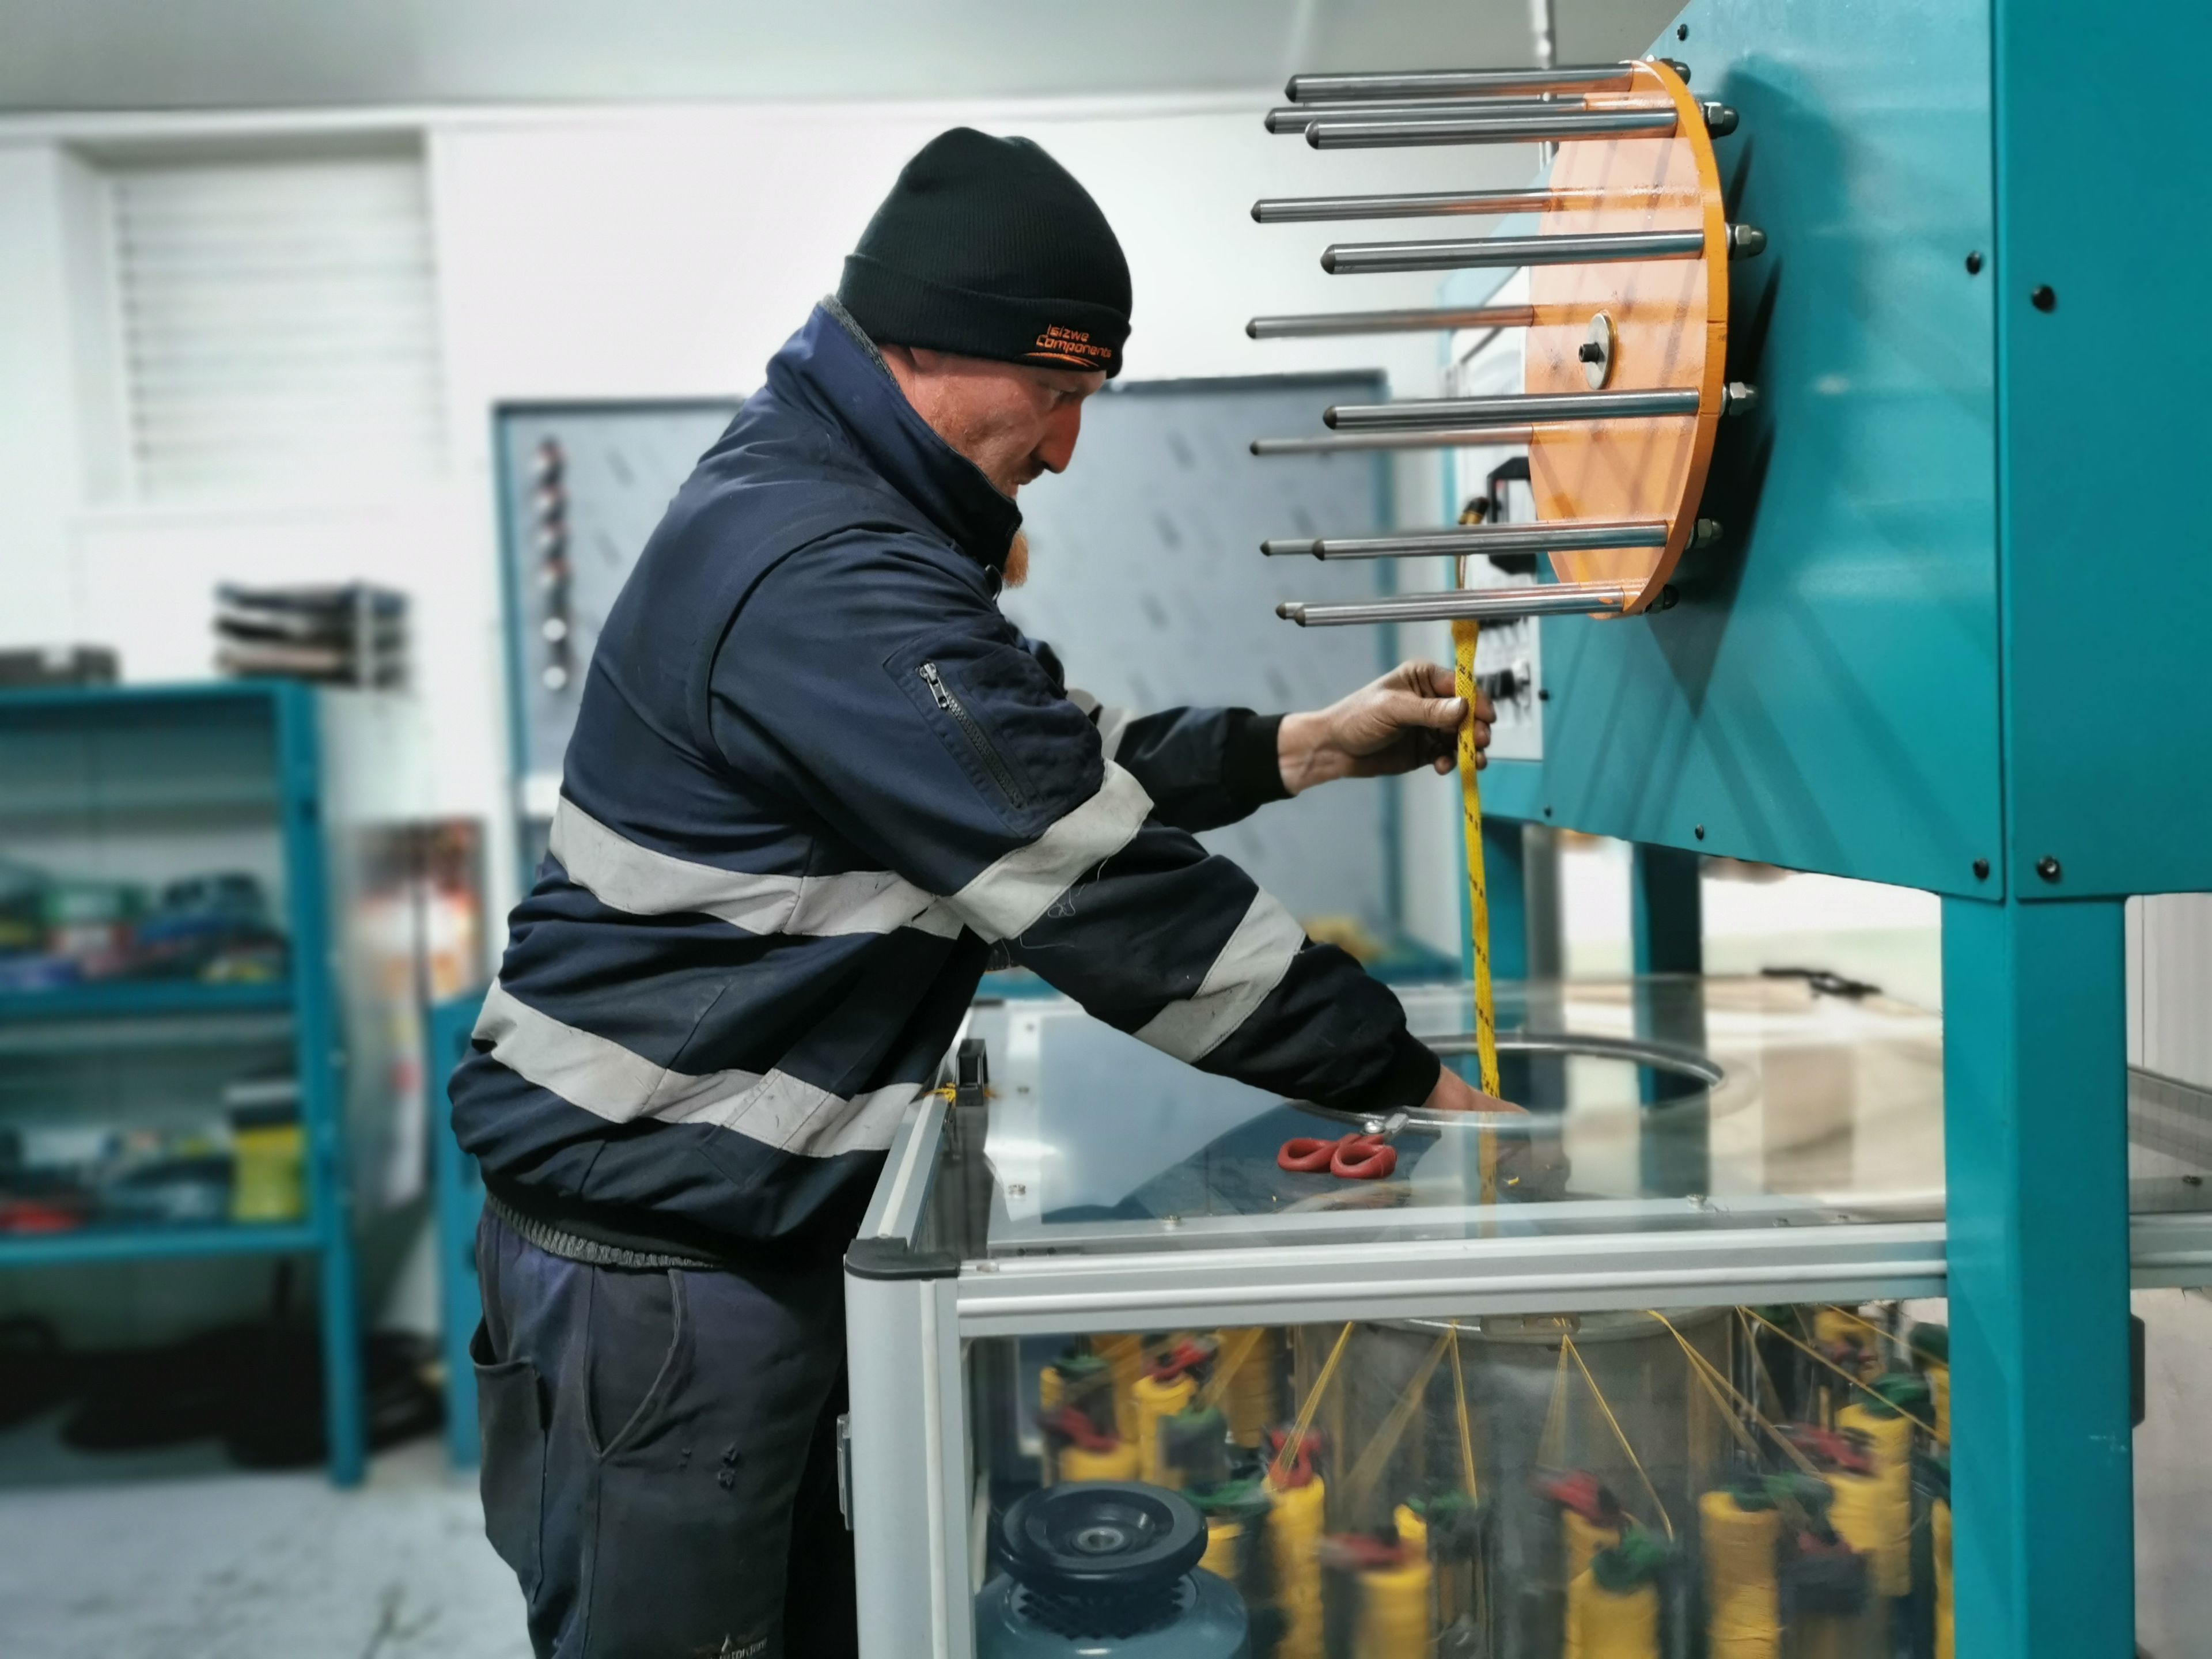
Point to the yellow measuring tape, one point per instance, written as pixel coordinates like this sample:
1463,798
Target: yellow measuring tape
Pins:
1464,633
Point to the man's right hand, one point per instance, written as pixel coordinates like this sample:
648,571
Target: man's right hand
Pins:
1454,1093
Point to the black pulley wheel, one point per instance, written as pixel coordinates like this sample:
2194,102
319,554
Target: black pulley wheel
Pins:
1119,1537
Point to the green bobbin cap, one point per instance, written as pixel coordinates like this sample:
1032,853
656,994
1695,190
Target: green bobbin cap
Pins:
1932,1343
1900,1391
1638,1559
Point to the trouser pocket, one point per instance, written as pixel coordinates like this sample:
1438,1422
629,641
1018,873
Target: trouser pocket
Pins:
511,1417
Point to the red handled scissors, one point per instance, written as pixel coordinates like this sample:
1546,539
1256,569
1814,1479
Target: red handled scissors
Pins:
1353,1157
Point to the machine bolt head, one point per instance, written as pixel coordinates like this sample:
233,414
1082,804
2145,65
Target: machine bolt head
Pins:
2047,868
1595,352
1981,869
2044,297
1699,831
1974,263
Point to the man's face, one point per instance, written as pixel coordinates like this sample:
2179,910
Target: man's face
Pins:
1013,421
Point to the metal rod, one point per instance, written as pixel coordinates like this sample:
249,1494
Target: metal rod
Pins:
1308,325
1429,414
1297,117
1487,604
1343,132
1487,438
1307,210
1449,83
1557,536
1364,258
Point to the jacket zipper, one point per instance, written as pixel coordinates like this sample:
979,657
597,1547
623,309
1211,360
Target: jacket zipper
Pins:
977,740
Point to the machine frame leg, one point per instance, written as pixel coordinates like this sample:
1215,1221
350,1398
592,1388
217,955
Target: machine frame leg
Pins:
909,1468
1667,910
345,1406
2035,1131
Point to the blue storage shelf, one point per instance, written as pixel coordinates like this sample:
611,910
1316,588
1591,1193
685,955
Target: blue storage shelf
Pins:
245,759
138,999
143,1244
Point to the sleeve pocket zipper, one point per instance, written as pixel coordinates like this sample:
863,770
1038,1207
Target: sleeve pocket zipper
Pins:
977,738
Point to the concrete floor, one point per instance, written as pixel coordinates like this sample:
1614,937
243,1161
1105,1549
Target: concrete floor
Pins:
257,1566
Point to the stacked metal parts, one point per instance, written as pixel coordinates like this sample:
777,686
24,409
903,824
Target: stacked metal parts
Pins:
1739,1483
354,635
1627,327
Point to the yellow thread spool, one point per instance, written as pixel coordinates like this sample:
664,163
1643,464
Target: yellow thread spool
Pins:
1867,1515
1119,1464
1585,1538
1157,1399
1393,1611
1581,1540
1743,1601
1889,1440
1249,1401
1939,1396
1606,1625
1939,1523
1223,1534
1296,1527
1125,1355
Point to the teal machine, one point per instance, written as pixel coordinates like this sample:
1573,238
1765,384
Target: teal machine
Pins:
1951,638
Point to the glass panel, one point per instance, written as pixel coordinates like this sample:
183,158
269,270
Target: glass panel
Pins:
1667,1102
1735,1481
2169,1144
2174,1475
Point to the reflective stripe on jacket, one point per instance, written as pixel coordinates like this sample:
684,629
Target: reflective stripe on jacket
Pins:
817,777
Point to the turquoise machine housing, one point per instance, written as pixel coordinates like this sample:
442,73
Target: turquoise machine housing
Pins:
1954,638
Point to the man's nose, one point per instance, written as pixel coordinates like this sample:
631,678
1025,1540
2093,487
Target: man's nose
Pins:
1061,433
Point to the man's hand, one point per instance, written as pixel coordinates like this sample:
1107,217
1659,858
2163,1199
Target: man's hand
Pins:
1454,1093
1407,719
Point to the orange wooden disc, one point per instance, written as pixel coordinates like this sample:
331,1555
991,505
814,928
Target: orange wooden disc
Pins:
1669,320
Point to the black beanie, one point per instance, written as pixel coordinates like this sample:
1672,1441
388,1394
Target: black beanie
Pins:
989,248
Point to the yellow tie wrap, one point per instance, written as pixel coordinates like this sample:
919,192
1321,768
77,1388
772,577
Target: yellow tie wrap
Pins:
1606,1625
1464,633
1743,1601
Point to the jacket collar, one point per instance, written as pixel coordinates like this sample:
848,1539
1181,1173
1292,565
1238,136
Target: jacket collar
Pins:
832,369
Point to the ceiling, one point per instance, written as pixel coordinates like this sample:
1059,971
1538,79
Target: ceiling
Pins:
248,54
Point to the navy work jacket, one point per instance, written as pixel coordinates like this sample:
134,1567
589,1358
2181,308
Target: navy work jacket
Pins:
816,778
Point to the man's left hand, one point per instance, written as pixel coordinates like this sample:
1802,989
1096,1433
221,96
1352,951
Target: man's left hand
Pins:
1408,718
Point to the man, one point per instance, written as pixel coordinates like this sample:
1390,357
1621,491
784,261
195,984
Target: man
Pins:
816,780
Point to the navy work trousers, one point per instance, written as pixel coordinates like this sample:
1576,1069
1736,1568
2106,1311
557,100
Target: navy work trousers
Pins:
659,1455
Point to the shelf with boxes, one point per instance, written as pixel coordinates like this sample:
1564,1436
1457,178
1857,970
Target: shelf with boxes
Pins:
194,1020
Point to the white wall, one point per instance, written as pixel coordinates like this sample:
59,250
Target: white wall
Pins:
595,253
664,253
